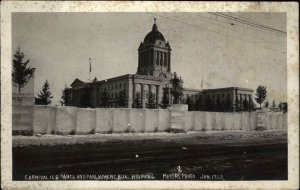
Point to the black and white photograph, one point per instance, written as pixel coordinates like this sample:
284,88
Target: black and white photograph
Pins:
150,96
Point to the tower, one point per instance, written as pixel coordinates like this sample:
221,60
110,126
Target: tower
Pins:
154,55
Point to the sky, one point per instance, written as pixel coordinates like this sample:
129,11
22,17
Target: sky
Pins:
219,51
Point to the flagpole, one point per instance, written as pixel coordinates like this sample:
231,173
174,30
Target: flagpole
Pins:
90,69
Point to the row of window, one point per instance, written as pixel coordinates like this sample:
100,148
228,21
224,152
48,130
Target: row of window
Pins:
113,95
113,86
160,58
240,96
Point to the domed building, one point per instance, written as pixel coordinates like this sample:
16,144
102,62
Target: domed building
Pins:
152,77
151,83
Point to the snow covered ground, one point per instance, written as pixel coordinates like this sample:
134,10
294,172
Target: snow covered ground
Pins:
208,137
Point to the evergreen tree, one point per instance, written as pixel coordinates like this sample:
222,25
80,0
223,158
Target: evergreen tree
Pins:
284,107
252,106
137,103
165,99
245,105
177,88
151,101
267,104
21,73
280,106
273,107
45,94
66,97
261,94
122,99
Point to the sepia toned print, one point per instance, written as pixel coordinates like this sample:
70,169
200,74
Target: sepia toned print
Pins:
153,106
149,97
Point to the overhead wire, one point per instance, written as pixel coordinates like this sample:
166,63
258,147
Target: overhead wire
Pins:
253,24
208,19
203,28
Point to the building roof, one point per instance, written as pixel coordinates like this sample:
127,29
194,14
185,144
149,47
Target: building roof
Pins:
76,82
228,88
192,90
154,35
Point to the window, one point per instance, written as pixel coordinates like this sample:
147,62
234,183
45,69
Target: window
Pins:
161,58
124,85
157,58
116,86
120,86
165,59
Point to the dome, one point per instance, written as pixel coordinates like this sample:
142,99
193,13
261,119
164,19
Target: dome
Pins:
154,35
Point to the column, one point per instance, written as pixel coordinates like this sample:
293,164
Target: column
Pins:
237,100
169,60
149,92
150,89
157,95
142,96
163,58
242,101
159,55
133,93
233,101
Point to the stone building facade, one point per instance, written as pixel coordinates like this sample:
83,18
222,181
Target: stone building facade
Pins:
220,99
152,79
